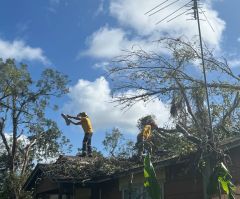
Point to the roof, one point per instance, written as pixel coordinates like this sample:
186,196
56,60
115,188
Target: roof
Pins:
88,170
96,169
84,168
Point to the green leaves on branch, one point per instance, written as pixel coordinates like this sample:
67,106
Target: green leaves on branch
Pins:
117,145
221,177
23,105
150,179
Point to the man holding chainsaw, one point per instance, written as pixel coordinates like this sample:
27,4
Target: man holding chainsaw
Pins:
83,119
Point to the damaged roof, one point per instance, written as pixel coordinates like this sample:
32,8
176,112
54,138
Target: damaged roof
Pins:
83,168
89,170
96,169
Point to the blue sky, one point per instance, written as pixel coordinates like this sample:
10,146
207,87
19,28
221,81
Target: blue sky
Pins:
79,38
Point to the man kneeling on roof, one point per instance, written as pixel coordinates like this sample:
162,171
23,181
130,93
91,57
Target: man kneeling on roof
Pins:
83,119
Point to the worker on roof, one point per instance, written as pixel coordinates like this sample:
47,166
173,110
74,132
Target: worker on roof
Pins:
144,138
146,133
83,119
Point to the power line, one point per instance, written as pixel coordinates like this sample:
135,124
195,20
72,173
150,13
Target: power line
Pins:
207,20
156,7
173,12
179,15
164,7
180,8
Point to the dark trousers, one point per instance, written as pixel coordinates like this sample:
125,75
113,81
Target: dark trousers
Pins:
86,145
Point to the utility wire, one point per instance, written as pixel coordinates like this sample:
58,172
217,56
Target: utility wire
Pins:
207,20
179,15
173,12
164,7
156,7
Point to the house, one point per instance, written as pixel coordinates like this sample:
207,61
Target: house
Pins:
72,177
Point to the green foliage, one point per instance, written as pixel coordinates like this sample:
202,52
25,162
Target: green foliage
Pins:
14,181
23,106
148,119
175,78
116,145
221,176
173,143
150,179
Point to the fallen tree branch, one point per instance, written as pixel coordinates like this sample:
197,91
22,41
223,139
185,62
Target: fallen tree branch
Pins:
234,105
190,137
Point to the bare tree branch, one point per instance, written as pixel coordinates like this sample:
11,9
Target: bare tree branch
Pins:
190,137
234,105
4,137
188,105
26,156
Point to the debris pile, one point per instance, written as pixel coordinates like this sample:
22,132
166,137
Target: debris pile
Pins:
70,168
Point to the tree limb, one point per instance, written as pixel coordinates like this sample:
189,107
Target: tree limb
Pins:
26,156
234,105
188,105
190,137
4,137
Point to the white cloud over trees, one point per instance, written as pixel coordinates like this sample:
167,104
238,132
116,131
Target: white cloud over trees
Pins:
20,51
95,99
134,29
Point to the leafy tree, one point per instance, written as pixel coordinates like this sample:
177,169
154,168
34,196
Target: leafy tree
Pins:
145,120
165,144
116,145
175,77
2,170
25,131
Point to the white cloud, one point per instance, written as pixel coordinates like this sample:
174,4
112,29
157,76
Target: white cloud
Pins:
234,63
94,98
102,65
238,39
23,139
108,42
21,51
130,13
24,142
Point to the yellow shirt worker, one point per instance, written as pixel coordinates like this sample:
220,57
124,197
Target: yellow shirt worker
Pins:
143,137
145,134
85,121
86,124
